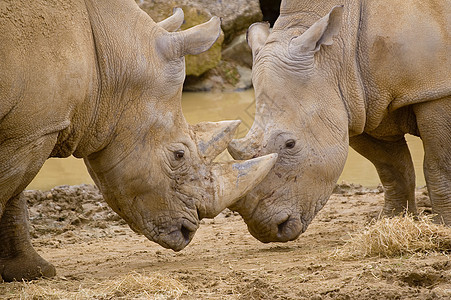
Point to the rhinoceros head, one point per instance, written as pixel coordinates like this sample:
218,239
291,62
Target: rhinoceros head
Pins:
300,116
156,171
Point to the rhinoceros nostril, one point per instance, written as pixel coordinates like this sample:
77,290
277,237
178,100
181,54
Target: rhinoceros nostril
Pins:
186,233
281,226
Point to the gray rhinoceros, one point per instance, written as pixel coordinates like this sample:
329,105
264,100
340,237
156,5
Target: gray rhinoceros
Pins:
102,81
328,76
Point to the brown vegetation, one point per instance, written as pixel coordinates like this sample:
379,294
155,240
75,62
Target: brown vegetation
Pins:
400,236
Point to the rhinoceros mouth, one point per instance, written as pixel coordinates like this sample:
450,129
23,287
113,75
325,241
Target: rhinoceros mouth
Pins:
283,226
285,230
175,236
289,229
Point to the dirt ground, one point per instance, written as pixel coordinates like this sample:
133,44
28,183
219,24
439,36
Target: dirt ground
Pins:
88,243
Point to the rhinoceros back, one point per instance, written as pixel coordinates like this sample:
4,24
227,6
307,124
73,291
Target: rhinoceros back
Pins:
47,65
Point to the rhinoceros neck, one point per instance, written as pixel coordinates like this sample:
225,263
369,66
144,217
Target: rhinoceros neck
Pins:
117,28
304,13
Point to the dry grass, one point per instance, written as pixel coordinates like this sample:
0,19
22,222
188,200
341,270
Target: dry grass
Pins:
130,286
398,236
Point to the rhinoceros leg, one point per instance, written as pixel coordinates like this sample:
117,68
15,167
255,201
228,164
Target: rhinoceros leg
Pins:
395,168
434,124
18,259
21,157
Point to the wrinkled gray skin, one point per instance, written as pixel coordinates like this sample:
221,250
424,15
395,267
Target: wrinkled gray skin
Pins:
103,82
337,73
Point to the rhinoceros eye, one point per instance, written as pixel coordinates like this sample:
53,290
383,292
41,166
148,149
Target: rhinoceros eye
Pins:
179,154
290,144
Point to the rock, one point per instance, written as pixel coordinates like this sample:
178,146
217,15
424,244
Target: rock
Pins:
206,83
232,74
245,81
238,50
236,15
228,76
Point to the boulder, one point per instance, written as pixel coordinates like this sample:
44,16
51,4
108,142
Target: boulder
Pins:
236,15
239,51
227,76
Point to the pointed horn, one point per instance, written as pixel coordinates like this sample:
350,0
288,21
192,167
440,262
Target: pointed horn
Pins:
235,179
173,22
247,147
212,138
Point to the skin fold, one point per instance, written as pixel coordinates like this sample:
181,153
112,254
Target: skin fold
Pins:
102,81
333,74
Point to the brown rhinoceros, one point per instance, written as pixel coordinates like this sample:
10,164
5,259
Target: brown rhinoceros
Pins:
328,76
102,81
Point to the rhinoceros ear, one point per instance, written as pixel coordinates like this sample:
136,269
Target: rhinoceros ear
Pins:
320,33
173,22
194,40
256,36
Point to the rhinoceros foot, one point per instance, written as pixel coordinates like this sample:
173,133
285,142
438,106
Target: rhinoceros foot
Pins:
26,266
444,218
18,259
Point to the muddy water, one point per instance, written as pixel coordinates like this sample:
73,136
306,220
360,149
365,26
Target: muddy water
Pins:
199,107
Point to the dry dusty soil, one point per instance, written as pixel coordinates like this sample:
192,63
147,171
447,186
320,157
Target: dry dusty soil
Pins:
89,244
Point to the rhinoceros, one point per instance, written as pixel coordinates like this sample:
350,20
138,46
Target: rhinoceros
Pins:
336,73
100,80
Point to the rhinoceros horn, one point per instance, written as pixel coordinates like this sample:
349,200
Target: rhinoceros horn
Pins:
212,138
249,146
233,180
173,22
